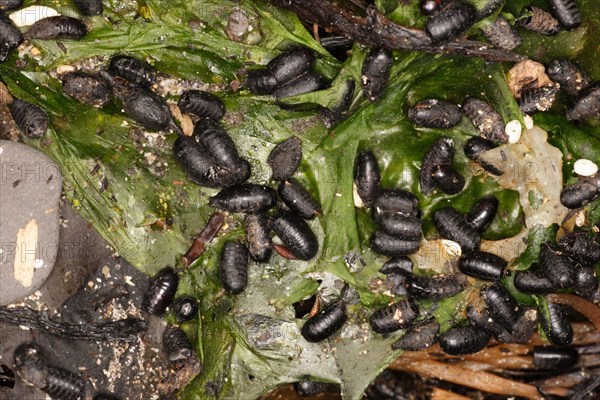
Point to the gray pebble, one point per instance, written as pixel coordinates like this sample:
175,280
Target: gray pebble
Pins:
30,189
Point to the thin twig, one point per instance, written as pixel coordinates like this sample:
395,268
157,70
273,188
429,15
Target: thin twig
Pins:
125,330
377,30
474,379
208,233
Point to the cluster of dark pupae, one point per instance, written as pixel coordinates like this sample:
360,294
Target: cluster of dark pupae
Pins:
57,27
448,19
31,360
568,265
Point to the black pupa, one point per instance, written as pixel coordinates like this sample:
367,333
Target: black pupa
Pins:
538,99
397,265
586,281
58,27
143,106
441,153
58,383
572,79
394,201
437,287
7,5
89,7
395,316
218,143
285,158
475,147
581,193
296,235
452,20
233,267
376,73
298,199
258,237
533,283
586,106
487,120
10,37
291,64
161,292
201,104
400,226
306,83
557,327
418,337
566,12
502,34
540,21
556,267
502,305
201,167
176,345
447,179
551,357
366,177
133,70
63,384
464,340
30,119
393,246
482,213
452,225
579,247
246,198
185,308
87,88
434,113
482,265
325,323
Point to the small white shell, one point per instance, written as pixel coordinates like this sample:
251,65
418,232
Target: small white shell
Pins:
513,130
528,122
585,167
65,69
580,218
452,248
357,200
29,15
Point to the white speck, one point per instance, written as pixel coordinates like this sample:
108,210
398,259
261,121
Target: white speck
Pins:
513,130
1,150
357,200
38,263
451,247
128,280
338,195
30,15
25,328
580,218
585,167
528,122
65,69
